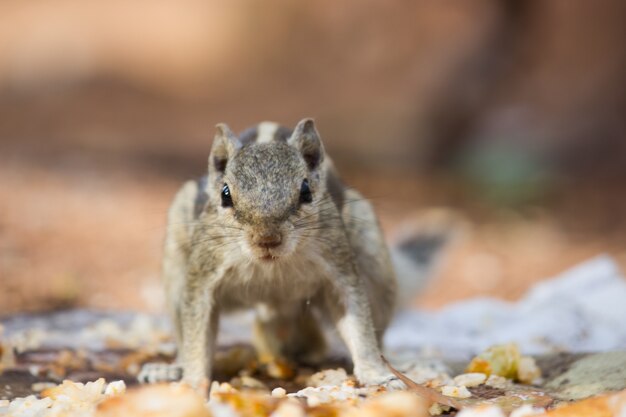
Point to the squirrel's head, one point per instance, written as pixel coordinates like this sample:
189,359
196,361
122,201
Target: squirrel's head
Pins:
266,186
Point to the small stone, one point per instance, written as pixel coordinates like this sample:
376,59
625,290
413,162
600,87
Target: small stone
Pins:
155,401
527,410
288,409
328,377
29,406
591,375
397,404
223,388
115,388
279,392
455,392
248,382
482,411
472,379
40,386
313,401
34,370
437,409
527,370
497,381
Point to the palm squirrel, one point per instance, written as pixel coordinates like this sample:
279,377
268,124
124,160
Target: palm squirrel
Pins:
272,227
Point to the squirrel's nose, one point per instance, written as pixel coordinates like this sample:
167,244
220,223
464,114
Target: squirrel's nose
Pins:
269,241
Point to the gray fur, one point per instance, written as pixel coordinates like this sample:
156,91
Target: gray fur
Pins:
331,255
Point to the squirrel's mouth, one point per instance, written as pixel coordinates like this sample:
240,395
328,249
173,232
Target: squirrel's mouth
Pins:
266,255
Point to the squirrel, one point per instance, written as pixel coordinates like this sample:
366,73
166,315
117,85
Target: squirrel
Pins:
272,227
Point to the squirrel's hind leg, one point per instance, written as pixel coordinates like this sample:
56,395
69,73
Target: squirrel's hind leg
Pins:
291,334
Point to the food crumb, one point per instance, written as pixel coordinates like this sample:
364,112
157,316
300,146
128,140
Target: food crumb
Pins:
456,392
484,411
279,392
472,379
497,381
288,409
115,388
40,386
527,410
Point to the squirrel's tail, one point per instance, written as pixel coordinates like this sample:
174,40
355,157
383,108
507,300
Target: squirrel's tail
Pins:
420,244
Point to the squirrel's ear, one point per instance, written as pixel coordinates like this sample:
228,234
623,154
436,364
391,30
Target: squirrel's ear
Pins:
224,146
306,138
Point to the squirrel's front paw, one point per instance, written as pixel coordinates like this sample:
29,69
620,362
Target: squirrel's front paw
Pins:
159,372
392,383
389,382
380,379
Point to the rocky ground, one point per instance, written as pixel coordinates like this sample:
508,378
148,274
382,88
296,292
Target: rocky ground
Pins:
41,351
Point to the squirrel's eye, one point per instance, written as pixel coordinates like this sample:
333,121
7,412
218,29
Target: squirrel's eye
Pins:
305,192
227,199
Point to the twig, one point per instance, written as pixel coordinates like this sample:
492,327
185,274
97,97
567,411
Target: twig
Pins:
425,392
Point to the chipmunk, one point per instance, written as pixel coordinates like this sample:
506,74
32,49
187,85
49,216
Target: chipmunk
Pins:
272,227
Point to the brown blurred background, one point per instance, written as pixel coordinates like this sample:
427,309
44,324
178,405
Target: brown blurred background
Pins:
510,112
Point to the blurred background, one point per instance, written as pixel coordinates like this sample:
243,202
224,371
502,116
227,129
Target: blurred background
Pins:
509,112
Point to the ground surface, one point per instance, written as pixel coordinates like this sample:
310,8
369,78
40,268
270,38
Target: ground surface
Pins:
83,346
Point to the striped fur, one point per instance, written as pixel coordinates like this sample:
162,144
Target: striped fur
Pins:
265,132
327,254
